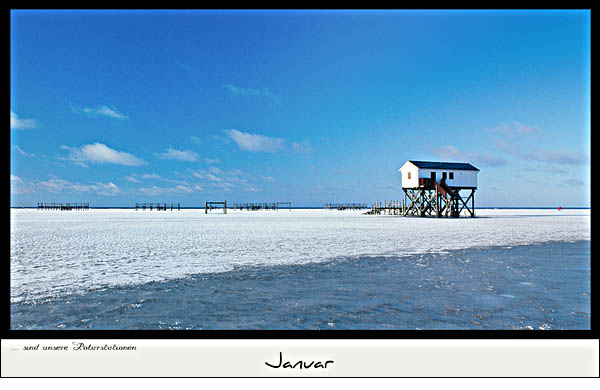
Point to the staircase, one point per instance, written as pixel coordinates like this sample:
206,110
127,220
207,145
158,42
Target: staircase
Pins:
443,189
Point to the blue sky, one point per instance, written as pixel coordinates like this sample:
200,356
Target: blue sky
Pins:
118,107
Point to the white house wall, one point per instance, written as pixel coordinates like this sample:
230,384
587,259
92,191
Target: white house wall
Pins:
414,176
461,178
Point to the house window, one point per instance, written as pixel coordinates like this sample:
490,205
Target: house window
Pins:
451,175
409,175
444,174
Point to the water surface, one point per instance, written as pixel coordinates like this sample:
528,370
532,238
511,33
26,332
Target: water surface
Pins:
537,286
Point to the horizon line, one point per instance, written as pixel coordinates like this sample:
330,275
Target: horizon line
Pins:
320,207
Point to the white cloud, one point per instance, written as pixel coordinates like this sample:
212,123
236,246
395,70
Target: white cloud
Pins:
57,185
302,147
255,142
100,153
151,176
132,179
18,186
452,153
155,190
182,188
517,140
196,140
22,152
488,159
108,189
216,171
102,110
181,155
555,157
53,185
251,188
266,178
262,92
262,143
448,152
17,123
515,130
217,179
212,160
138,178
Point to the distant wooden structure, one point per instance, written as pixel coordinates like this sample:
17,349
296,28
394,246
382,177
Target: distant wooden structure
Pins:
392,207
211,205
261,206
63,207
157,206
289,204
434,188
344,206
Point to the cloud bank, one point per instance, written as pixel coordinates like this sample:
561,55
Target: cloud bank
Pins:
255,142
100,111
254,92
181,155
17,123
452,153
98,153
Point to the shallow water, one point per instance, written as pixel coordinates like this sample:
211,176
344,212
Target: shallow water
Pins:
536,286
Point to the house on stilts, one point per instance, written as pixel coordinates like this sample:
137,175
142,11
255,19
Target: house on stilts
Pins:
440,189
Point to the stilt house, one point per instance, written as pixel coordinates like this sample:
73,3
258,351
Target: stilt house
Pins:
434,188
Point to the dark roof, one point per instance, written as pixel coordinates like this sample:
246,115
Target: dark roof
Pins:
444,165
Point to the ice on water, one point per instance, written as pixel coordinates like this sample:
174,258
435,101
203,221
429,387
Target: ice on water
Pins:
55,253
